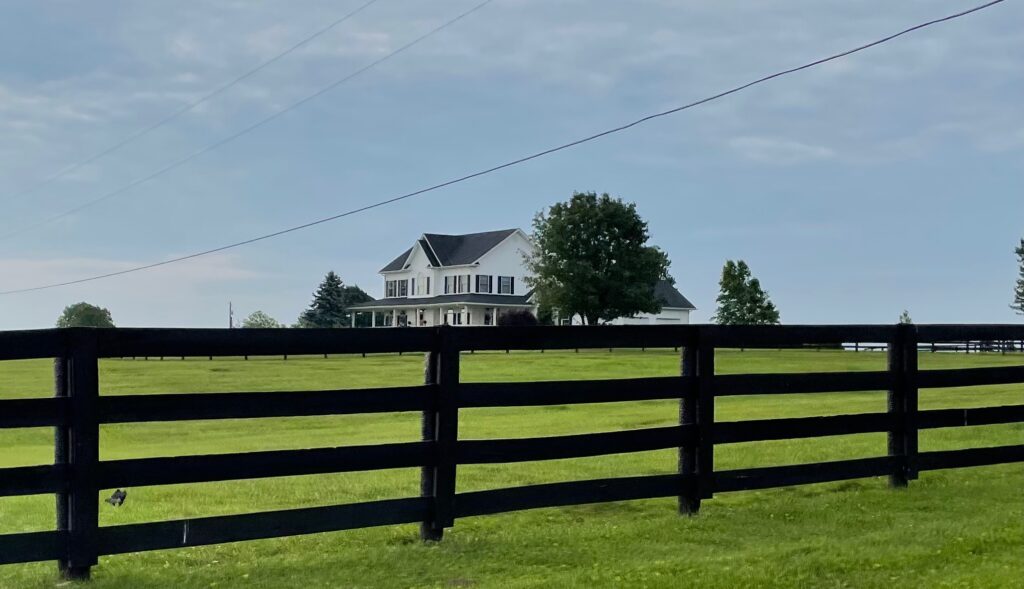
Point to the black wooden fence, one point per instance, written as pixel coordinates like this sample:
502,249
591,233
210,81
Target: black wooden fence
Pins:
77,411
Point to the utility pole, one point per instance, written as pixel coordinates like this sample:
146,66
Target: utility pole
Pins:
231,316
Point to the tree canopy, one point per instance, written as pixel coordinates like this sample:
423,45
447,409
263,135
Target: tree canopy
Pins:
591,258
1018,291
259,319
85,315
905,317
741,300
331,302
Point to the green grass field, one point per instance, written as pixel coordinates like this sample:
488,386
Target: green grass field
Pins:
954,528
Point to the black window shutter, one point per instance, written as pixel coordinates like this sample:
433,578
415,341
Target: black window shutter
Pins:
490,284
511,285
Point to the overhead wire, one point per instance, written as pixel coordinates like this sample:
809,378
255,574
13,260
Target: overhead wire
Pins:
25,228
189,106
508,164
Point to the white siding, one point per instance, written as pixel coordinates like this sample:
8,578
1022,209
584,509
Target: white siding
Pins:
507,260
666,317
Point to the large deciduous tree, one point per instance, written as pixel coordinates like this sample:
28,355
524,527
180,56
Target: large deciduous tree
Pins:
1018,291
259,319
591,258
741,300
85,315
331,302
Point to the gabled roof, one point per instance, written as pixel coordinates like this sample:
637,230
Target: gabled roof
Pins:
457,250
398,263
670,297
429,252
452,250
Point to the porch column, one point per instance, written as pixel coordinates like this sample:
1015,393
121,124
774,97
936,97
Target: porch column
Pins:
373,319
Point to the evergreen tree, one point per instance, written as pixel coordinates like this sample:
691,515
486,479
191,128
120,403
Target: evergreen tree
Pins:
331,302
1018,291
328,306
905,317
741,300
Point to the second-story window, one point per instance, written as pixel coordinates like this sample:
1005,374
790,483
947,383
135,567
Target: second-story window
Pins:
390,288
483,283
422,285
403,288
506,285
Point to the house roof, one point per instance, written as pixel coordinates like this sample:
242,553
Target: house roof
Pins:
470,298
398,263
429,252
456,250
670,297
452,250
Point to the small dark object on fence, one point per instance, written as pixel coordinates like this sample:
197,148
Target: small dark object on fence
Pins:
117,498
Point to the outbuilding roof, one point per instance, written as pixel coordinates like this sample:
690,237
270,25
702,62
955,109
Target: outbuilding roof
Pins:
671,297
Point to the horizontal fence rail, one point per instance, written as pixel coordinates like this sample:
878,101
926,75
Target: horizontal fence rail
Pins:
78,410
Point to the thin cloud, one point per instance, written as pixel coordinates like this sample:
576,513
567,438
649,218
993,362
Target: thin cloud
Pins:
771,150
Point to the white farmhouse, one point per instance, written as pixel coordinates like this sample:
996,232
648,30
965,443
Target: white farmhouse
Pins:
471,280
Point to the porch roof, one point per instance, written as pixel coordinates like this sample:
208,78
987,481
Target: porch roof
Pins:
495,300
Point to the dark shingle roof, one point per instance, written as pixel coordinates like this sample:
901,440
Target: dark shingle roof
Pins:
398,263
452,250
670,297
484,299
455,250
430,253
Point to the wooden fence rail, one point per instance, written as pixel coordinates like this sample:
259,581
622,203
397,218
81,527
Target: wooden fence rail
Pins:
77,411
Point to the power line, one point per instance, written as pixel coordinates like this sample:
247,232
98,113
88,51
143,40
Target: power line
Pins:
188,107
506,164
246,130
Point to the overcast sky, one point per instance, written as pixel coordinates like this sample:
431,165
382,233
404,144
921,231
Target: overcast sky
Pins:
889,180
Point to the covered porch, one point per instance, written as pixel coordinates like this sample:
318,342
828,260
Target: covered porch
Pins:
430,315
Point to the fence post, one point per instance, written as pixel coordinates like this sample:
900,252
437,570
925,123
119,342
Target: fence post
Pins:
445,435
705,415
902,403
910,400
62,450
83,441
689,500
428,427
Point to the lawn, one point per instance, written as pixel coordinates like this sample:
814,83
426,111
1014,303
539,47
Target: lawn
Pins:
955,528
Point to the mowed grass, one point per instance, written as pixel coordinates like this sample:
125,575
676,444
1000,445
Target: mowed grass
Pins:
955,528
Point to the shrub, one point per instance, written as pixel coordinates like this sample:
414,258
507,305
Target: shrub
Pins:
517,318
